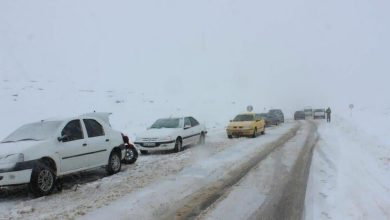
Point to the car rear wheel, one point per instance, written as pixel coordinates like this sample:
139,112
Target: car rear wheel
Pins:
178,146
114,163
263,132
230,136
202,139
42,180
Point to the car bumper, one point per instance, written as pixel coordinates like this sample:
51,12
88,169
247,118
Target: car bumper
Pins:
15,177
158,146
239,132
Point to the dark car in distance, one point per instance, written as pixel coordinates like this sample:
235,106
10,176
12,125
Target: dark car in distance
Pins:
278,114
299,115
269,120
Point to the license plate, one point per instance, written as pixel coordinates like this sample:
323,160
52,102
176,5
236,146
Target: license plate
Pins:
149,144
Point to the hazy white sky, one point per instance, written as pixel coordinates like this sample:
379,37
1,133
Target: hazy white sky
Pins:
303,52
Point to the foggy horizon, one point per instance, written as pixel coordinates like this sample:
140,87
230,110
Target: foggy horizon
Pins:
317,53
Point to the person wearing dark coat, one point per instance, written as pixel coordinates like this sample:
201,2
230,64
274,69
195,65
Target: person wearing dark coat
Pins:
328,114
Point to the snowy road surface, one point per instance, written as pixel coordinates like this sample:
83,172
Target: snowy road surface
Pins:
245,178
188,193
157,185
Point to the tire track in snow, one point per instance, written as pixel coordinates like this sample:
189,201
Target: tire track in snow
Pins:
199,201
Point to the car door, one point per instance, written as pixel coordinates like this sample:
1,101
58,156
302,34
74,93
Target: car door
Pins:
196,130
72,148
259,124
187,132
97,142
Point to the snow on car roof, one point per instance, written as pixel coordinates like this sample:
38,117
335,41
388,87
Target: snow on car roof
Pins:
101,115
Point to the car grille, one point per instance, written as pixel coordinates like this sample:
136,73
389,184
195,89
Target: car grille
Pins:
149,139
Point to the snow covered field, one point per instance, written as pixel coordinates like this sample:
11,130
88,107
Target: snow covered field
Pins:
350,173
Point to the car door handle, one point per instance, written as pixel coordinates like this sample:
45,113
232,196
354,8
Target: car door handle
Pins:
107,140
84,145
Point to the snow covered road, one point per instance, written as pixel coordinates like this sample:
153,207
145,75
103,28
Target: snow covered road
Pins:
191,191
90,191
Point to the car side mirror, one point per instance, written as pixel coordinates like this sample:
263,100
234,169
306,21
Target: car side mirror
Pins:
187,127
63,138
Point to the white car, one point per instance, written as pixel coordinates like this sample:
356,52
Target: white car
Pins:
171,134
39,153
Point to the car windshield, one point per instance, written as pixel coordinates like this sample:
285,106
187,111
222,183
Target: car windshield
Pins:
244,118
166,123
34,131
274,111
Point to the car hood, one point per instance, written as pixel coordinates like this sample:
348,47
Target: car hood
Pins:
158,133
17,147
240,123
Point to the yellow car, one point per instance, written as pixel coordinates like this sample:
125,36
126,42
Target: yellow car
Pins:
246,124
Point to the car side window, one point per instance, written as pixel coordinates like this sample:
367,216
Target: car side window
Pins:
94,128
187,122
72,131
194,122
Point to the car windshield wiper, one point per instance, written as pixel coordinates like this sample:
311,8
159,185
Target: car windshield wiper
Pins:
4,142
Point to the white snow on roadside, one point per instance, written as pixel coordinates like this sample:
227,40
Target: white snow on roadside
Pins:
350,172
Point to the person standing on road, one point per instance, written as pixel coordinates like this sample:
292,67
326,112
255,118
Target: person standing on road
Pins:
328,113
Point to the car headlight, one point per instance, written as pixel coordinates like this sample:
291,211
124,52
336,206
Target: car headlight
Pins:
9,160
169,138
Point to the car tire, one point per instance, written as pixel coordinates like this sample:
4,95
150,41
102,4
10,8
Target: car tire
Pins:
202,139
114,163
144,152
263,132
43,180
254,133
131,155
178,146
230,136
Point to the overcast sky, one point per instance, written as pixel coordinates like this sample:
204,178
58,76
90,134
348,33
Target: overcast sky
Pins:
303,52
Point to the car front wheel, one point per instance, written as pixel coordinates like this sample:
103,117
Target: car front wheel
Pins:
131,155
178,146
254,133
42,180
144,152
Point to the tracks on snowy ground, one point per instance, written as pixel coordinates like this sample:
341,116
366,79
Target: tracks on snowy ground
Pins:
199,201
179,185
287,200
290,203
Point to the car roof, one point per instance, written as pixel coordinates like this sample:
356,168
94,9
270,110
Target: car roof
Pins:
104,116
